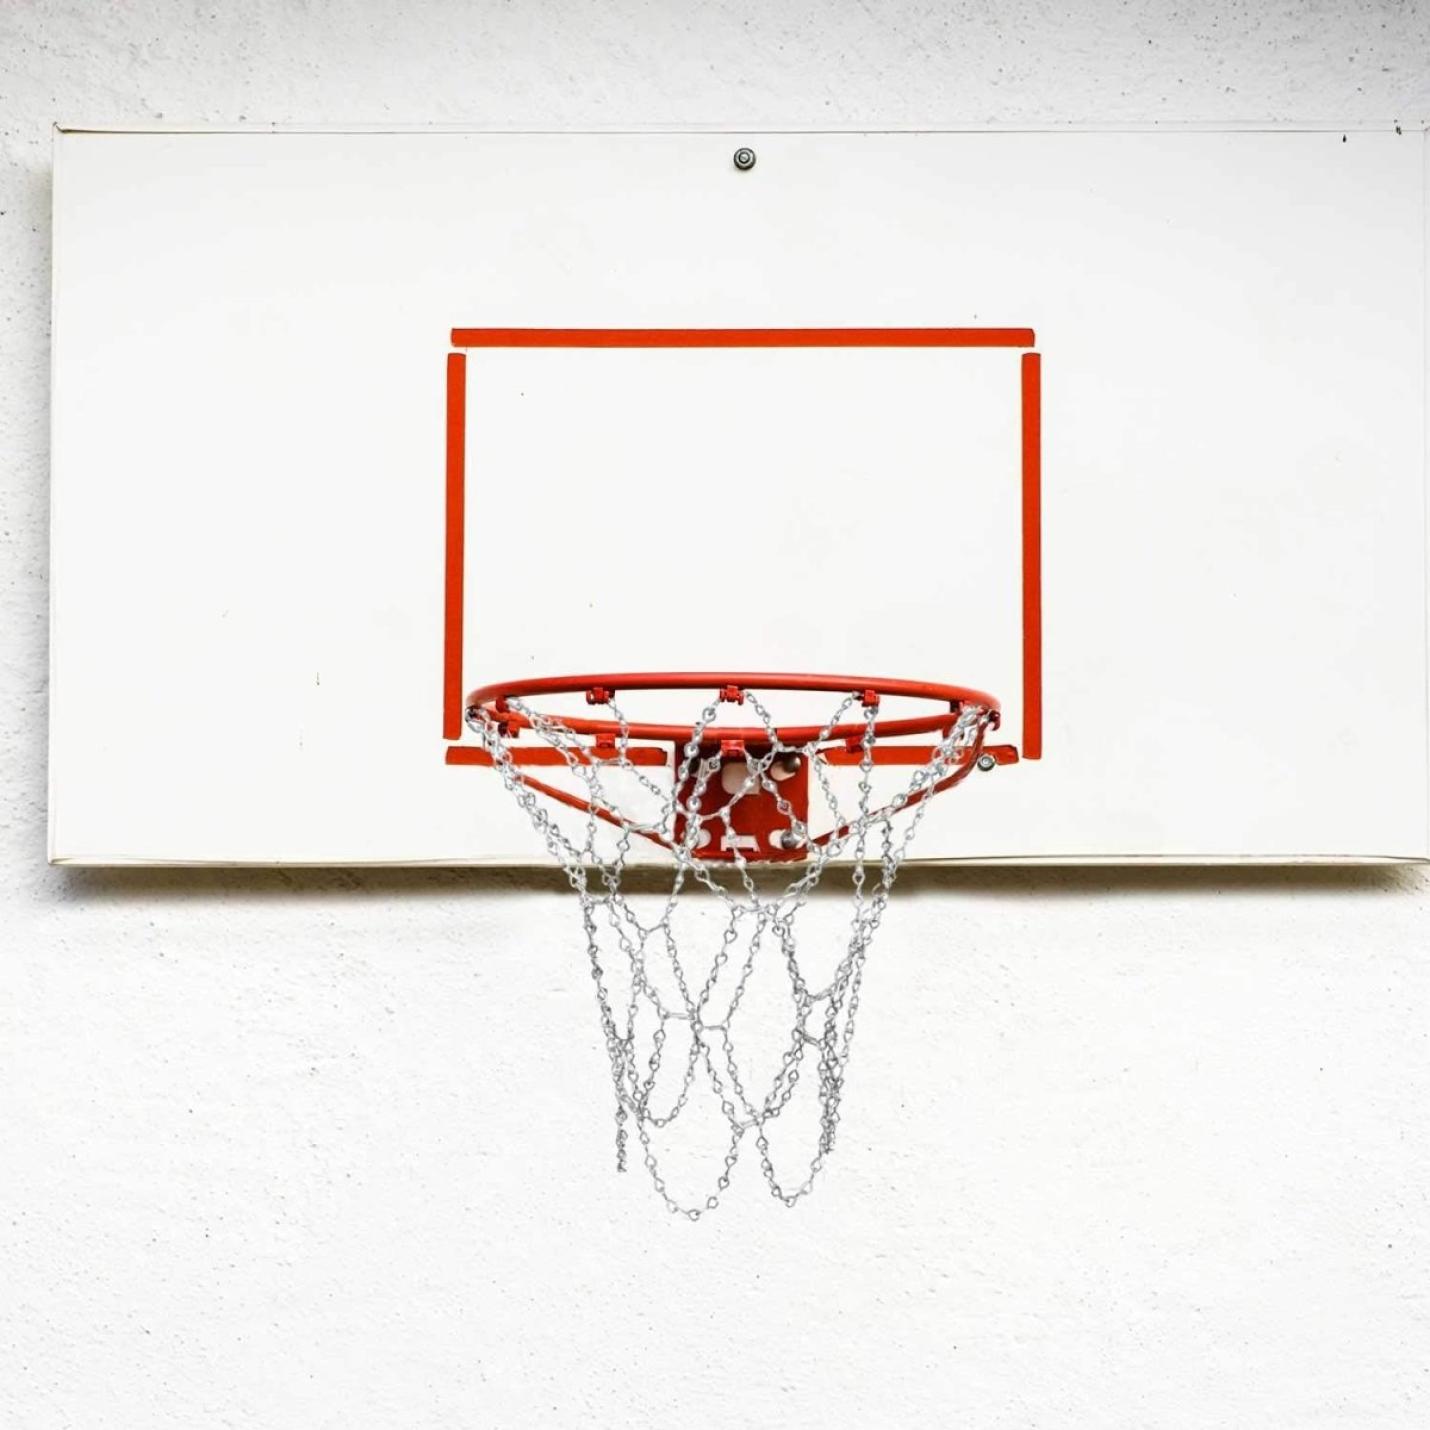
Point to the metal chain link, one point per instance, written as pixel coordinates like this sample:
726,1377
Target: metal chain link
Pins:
659,984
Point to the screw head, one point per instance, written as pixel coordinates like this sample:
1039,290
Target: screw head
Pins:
785,766
986,762
744,159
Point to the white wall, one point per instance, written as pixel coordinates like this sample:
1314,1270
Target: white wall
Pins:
331,1149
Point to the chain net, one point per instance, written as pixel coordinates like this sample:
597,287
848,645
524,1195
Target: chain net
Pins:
670,1019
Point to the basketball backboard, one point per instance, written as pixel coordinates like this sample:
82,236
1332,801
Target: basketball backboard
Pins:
1125,429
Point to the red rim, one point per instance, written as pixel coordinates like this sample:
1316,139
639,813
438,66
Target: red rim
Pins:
731,684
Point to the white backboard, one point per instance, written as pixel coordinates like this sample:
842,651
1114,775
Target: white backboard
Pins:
1127,429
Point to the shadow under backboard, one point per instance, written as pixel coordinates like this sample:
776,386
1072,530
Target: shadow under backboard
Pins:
1038,881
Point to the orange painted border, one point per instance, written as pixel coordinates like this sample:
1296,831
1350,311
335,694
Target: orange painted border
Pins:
452,692
1032,403
1031,478
742,337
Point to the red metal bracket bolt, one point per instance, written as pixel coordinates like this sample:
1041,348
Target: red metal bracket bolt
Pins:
731,695
598,695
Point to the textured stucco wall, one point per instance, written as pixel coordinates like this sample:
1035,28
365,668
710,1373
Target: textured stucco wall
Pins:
331,1149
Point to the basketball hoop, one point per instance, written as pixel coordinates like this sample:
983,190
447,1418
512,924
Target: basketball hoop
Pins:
738,796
